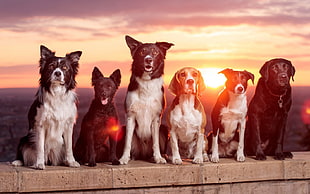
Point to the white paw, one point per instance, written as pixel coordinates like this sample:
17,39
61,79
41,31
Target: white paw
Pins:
73,164
198,160
160,160
215,158
124,160
17,163
177,161
39,166
240,158
205,157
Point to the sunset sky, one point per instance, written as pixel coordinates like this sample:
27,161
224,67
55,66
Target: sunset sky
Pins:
239,34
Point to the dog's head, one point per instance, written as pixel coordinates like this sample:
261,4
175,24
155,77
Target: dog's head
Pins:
187,80
148,58
58,70
278,72
105,87
237,81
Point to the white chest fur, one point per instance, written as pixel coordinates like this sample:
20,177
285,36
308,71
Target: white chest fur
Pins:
186,119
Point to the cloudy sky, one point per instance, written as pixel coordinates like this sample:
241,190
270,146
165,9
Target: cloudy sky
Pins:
240,34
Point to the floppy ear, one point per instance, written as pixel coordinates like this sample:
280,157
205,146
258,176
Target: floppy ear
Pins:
164,46
292,70
201,84
264,70
174,85
132,44
226,72
249,75
116,77
96,75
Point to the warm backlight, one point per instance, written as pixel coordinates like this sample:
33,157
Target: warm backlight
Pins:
212,78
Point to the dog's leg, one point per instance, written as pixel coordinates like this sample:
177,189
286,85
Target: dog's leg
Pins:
155,135
69,158
279,155
130,127
215,148
255,125
40,149
176,158
198,159
240,150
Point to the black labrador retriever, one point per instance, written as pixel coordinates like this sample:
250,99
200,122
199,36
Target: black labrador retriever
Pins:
268,111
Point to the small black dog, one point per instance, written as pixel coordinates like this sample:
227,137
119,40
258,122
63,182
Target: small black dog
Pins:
100,129
268,111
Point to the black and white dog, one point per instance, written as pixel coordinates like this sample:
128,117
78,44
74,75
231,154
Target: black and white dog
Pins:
268,110
100,127
145,101
229,116
52,114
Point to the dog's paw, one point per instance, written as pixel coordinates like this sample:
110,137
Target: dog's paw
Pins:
124,160
198,160
39,166
177,161
115,162
240,158
288,155
205,157
73,164
160,160
260,156
215,158
17,163
279,156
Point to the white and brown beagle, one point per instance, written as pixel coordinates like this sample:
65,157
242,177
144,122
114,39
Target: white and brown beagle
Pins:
186,117
229,117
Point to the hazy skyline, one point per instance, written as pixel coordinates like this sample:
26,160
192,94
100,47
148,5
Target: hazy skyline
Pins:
240,34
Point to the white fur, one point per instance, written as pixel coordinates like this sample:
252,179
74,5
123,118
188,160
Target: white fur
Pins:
144,106
231,116
186,122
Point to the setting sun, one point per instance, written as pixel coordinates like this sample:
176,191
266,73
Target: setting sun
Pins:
212,78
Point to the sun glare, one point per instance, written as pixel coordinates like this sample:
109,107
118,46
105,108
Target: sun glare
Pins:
212,78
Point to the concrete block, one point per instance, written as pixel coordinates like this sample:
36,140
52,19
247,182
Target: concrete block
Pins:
8,178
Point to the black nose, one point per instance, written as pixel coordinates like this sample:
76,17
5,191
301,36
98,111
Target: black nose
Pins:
57,73
148,60
240,89
190,81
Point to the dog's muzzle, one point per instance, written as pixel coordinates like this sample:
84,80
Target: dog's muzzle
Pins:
239,89
190,86
58,76
148,63
283,79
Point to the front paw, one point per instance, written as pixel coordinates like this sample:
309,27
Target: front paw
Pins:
124,160
240,157
176,161
260,156
279,156
198,160
288,155
160,160
73,164
39,166
215,158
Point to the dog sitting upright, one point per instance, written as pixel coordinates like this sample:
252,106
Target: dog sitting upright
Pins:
145,101
52,114
268,111
186,117
99,131
229,116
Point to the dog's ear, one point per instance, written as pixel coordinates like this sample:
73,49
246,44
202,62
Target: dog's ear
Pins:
249,76
292,69
174,86
226,72
45,52
201,84
96,75
164,46
74,56
116,77
132,44
264,70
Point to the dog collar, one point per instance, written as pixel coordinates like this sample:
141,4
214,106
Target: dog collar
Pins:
280,100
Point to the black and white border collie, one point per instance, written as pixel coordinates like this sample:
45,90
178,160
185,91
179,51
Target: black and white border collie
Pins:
145,101
229,116
52,114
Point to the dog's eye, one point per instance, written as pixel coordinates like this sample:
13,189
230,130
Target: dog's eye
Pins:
195,74
182,74
143,52
155,52
64,68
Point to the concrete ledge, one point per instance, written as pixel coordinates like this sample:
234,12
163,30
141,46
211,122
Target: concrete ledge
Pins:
228,174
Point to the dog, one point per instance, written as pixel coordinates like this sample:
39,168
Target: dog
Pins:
268,110
186,117
100,129
52,115
145,101
228,117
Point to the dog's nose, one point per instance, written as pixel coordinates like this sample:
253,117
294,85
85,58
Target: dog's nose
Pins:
190,81
148,60
57,73
283,75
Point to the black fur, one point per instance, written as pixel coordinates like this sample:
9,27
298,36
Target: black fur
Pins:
97,140
267,117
